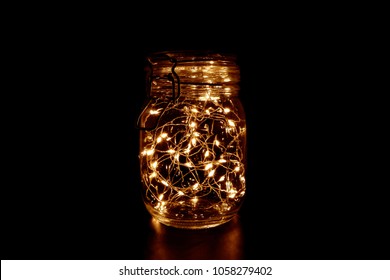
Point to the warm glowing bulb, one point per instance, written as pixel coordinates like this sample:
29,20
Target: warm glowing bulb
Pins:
208,166
231,123
155,112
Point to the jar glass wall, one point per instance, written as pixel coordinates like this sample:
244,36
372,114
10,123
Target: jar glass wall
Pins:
193,139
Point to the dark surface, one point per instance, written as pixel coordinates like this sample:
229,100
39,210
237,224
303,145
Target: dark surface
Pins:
74,188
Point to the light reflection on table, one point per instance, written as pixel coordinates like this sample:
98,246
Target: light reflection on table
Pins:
222,242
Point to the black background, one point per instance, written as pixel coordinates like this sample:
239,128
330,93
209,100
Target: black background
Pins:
78,87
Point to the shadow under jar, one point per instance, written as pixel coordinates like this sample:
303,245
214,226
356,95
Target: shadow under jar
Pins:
193,139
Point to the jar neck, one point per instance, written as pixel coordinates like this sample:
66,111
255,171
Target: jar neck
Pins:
190,73
195,91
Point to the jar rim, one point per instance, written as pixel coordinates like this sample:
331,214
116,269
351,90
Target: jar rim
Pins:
189,55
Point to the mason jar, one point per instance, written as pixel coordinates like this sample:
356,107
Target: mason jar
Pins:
192,139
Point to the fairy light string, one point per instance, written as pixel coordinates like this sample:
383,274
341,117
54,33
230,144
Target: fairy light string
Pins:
194,159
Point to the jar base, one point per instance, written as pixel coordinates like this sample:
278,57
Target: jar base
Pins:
190,223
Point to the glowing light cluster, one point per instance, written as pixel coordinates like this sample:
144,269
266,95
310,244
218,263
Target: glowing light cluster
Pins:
193,162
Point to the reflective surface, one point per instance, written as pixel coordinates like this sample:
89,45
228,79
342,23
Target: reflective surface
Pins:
223,242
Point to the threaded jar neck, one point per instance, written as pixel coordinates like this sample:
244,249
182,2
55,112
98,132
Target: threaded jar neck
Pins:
193,73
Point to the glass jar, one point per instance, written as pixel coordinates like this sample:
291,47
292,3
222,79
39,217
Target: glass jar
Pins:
193,139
